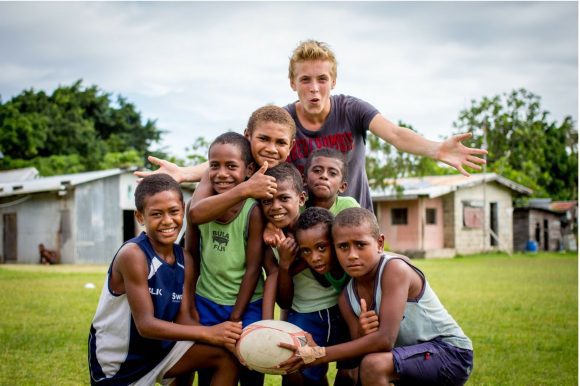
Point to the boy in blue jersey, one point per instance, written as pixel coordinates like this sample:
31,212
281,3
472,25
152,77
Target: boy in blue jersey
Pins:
143,331
416,342
229,250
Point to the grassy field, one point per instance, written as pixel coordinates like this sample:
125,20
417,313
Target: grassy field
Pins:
521,313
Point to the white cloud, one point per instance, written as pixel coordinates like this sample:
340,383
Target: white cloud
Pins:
200,68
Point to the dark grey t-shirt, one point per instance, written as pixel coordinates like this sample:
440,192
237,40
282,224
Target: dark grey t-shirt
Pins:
345,129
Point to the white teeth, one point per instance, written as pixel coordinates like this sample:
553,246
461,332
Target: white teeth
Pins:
167,230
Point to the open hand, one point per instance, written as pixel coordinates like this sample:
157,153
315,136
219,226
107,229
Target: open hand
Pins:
454,153
164,167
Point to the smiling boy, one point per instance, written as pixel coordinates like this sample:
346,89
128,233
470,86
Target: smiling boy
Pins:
229,250
143,330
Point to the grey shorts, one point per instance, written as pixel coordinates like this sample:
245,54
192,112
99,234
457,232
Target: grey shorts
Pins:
432,363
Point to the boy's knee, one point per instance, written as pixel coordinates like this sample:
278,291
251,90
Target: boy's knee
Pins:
374,362
374,367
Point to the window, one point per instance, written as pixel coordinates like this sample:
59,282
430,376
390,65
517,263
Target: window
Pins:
399,216
431,216
473,214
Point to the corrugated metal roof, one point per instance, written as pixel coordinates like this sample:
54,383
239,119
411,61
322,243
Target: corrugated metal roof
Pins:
23,174
436,186
563,206
55,183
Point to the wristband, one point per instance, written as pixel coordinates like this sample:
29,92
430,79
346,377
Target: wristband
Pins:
310,354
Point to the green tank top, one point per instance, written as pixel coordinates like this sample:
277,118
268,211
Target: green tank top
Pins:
223,258
337,284
341,203
309,294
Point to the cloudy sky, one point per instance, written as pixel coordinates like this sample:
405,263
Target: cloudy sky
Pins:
201,68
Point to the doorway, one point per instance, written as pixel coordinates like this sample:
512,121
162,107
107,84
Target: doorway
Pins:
546,235
493,224
10,238
129,228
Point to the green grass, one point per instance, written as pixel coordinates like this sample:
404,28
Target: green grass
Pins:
521,313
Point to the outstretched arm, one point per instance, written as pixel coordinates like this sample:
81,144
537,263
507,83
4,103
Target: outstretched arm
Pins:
451,151
179,173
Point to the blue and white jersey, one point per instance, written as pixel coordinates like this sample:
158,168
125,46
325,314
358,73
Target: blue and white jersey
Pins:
118,355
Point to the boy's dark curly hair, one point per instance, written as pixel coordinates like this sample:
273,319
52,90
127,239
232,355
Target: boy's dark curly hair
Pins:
154,184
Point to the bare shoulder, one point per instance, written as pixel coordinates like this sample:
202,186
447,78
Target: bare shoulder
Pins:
256,216
398,256
399,266
129,259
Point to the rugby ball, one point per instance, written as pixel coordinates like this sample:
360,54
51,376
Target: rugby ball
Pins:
258,345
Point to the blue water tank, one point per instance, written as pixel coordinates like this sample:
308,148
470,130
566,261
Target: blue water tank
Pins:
531,246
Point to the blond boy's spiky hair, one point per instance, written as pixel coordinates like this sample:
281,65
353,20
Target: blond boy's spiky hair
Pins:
312,50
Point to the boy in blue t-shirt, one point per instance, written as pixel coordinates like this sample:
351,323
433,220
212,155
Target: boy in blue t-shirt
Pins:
143,330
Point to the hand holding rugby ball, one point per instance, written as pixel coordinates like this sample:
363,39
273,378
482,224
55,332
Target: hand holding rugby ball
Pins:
259,346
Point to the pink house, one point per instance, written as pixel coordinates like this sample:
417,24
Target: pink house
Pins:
441,216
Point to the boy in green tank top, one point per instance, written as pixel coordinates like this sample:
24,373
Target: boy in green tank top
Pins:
228,251
310,301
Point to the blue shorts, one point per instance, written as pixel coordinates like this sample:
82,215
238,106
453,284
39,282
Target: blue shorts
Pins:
327,328
211,313
432,363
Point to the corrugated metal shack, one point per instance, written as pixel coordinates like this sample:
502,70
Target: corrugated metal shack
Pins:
84,217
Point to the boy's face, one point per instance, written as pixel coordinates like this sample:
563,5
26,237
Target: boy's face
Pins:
226,167
270,142
313,83
162,216
358,252
324,178
284,208
315,247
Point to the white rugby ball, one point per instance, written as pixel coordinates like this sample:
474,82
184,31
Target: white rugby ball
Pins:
258,345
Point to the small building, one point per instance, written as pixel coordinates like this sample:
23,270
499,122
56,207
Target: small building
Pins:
84,217
551,225
441,216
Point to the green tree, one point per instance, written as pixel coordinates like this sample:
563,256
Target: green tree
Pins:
198,152
74,129
384,161
524,144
